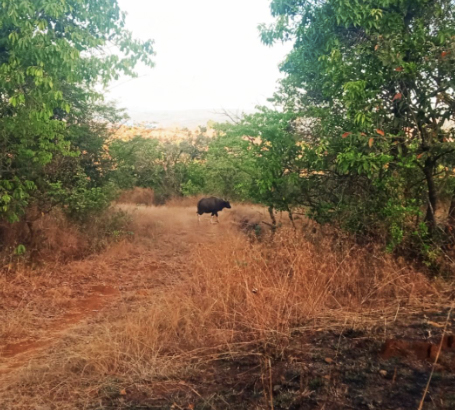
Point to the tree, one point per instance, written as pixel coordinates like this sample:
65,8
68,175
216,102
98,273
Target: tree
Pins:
169,168
77,179
377,76
52,54
265,148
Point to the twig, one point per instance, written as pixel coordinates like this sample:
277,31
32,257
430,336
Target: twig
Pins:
435,360
271,385
396,314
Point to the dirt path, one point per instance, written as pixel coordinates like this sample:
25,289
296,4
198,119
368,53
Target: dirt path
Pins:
15,355
100,283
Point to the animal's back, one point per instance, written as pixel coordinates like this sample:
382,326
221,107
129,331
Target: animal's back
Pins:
208,204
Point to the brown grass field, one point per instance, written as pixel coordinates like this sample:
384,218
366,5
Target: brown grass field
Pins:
186,315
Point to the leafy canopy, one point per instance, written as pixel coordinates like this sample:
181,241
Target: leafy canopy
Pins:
263,147
51,50
376,79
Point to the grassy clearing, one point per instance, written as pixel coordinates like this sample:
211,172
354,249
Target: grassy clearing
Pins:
194,296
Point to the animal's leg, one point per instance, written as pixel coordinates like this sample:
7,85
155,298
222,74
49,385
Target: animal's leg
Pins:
198,218
216,214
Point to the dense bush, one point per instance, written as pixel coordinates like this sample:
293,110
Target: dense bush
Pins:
169,168
378,78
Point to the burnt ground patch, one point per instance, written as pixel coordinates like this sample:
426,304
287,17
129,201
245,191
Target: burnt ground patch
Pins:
342,368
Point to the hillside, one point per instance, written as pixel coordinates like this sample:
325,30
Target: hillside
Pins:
181,118
170,134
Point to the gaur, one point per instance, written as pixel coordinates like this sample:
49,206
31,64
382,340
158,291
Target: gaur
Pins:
212,206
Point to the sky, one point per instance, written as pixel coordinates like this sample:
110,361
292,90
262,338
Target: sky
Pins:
208,55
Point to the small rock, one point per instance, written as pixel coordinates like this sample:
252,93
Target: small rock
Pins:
328,360
276,387
383,373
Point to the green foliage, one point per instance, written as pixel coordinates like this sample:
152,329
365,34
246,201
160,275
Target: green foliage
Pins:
373,82
169,168
52,54
196,179
262,158
20,250
83,202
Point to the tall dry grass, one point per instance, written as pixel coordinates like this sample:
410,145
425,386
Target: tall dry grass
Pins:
184,202
137,195
50,237
236,291
53,238
226,295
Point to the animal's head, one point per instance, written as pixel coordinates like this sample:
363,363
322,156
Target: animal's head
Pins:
227,204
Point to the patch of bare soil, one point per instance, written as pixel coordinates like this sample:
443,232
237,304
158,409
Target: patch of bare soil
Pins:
15,355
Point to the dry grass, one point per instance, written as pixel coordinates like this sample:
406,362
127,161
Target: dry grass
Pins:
139,196
215,293
53,238
184,202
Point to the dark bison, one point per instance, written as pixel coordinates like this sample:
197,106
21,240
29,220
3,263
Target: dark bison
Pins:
212,206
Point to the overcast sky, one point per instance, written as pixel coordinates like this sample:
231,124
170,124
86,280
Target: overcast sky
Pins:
208,55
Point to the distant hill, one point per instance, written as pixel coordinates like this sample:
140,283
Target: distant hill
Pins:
164,134
181,118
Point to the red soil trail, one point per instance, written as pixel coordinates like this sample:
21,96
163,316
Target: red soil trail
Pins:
155,258
14,355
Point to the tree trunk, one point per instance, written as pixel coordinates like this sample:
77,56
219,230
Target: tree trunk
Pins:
31,231
450,227
451,216
272,217
291,218
430,217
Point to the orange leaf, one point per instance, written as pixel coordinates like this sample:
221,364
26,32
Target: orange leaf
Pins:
123,392
444,53
346,134
398,96
328,360
376,47
370,142
420,155
363,134
380,132
399,69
